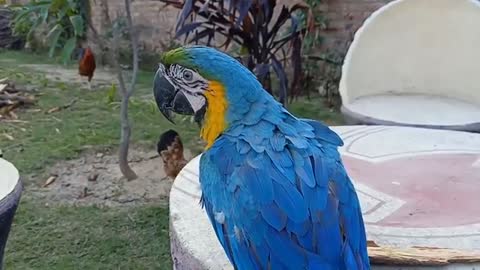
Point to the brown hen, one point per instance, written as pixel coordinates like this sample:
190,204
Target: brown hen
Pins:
170,149
87,65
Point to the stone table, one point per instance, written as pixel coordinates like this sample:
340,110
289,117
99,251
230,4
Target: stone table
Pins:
417,187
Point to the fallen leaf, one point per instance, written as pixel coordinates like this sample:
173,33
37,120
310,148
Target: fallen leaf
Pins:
66,106
54,109
50,180
8,136
13,116
16,121
2,87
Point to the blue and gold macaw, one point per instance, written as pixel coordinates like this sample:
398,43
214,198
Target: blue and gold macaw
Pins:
273,185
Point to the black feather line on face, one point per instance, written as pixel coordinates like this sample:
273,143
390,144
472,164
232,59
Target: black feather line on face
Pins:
200,115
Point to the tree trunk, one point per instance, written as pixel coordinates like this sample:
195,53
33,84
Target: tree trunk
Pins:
125,141
126,94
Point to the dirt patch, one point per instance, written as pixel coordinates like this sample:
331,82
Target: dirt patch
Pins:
95,179
102,76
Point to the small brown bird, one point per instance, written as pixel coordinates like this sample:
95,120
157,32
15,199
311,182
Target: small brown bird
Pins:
87,65
170,149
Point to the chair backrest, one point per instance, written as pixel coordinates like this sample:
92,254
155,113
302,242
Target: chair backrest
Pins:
416,47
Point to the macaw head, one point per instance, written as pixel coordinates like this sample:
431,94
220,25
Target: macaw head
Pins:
206,83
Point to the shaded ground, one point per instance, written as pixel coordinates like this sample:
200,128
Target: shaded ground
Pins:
95,179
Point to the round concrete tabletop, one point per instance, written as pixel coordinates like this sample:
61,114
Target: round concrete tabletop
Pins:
417,187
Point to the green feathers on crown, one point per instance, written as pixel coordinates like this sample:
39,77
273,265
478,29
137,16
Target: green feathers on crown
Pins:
175,56
184,57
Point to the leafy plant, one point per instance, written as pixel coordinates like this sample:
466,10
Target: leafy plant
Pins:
64,19
268,35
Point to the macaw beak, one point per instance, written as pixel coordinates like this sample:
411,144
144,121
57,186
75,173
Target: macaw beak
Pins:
169,99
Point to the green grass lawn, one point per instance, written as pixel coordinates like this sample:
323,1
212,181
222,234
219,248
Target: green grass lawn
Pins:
66,237
88,238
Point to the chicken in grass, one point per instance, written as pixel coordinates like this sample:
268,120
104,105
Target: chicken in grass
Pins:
170,149
87,65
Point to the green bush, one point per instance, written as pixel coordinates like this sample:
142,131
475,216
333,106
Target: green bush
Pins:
65,21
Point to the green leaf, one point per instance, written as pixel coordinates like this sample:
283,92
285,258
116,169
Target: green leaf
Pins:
53,37
57,5
44,14
37,23
244,50
68,49
20,14
111,94
77,22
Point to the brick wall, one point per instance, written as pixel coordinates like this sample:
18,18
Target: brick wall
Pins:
156,23
343,18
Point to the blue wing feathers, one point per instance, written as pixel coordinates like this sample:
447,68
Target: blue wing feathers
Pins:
278,142
285,250
320,170
316,199
299,228
286,198
324,133
274,216
260,188
291,202
305,173
243,147
286,178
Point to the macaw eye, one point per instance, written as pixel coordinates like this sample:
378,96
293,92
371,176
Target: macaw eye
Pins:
188,75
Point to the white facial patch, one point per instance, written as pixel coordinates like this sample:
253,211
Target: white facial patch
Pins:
196,101
190,82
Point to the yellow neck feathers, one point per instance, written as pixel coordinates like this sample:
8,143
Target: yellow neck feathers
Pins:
214,122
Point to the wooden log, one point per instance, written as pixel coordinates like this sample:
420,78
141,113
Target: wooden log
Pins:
22,99
5,103
420,256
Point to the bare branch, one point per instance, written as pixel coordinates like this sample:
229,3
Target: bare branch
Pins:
115,60
126,129
134,41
